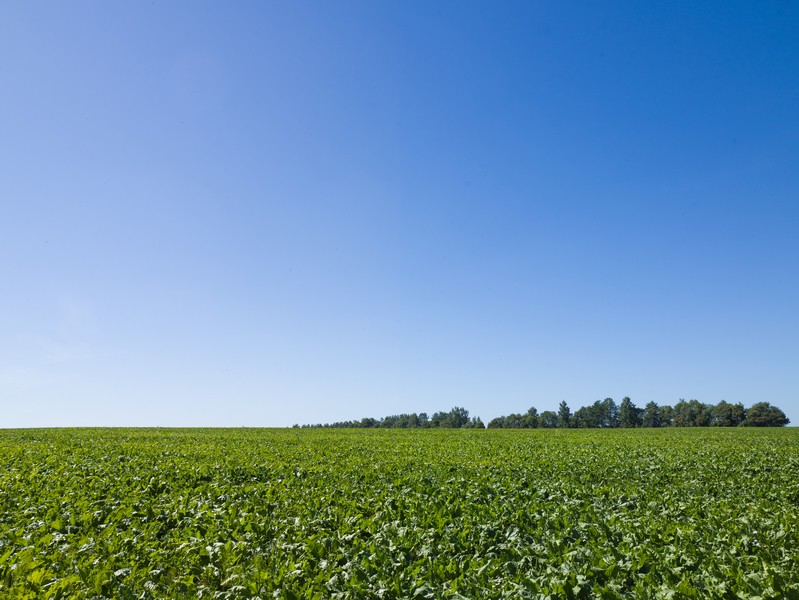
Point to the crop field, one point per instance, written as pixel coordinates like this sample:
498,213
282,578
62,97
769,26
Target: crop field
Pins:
260,513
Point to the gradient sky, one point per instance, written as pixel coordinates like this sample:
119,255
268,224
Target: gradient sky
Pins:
266,213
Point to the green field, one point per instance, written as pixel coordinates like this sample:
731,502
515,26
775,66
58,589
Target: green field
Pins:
245,513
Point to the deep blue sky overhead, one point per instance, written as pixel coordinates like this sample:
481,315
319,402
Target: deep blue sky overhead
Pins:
274,213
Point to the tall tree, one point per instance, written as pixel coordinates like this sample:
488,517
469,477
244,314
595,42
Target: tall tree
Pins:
762,414
584,417
497,423
666,416
548,419
597,414
458,417
702,413
728,415
530,419
692,414
610,413
475,423
651,416
564,415
682,414
629,414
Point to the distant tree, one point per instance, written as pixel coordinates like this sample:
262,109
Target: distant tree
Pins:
629,414
548,419
475,423
456,418
513,421
666,416
678,411
595,415
682,414
583,418
727,415
703,413
564,415
608,413
530,419
497,423
651,416
692,414
763,414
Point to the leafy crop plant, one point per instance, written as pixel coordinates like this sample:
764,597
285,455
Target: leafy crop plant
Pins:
360,514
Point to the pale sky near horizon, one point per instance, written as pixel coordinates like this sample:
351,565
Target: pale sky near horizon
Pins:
263,213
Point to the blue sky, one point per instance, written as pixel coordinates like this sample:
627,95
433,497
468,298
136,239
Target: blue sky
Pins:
273,213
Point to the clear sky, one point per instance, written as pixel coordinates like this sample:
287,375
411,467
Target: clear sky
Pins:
267,213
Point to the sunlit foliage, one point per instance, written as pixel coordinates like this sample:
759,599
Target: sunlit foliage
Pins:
324,513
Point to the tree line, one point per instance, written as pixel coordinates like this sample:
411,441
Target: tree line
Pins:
607,414
457,418
601,414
